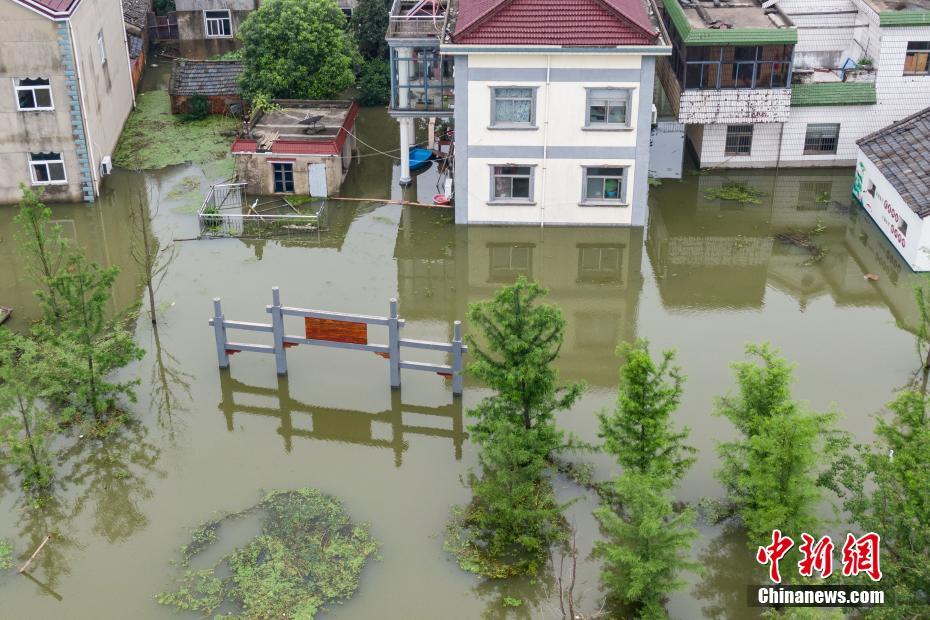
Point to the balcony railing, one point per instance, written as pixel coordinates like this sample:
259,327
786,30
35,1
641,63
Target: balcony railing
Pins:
416,19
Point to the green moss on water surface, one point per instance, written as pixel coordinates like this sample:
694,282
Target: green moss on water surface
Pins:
6,554
307,556
154,138
735,192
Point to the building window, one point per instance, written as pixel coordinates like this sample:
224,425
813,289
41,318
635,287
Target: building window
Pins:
599,264
604,185
821,139
739,140
422,79
511,184
508,262
712,67
47,169
608,108
34,94
513,106
283,174
348,13
917,60
102,48
217,24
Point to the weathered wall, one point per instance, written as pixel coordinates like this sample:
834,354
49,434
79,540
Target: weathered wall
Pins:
734,106
29,48
255,169
194,42
107,86
219,104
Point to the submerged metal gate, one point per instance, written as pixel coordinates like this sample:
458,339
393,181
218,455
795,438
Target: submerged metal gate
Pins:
338,330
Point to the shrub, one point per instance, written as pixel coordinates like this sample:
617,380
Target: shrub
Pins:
198,108
375,83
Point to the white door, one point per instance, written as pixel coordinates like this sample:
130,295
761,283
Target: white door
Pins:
318,181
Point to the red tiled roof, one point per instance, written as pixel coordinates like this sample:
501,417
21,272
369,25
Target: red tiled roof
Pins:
305,147
600,23
51,8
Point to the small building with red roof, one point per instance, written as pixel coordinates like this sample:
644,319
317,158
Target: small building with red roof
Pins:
553,110
299,147
71,91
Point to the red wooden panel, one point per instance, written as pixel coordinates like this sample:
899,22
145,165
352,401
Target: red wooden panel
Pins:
336,331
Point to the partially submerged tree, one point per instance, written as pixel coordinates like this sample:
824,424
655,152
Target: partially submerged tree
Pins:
774,473
514,515
886,491
43,246
370,23
26,428
647,542
149,253
297,49
95,344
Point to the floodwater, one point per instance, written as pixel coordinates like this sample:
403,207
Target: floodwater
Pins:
705,277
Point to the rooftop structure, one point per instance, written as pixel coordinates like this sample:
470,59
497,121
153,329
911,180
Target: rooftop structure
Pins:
734,22
300,126
205,77
417,19
594,23
901,152
900,5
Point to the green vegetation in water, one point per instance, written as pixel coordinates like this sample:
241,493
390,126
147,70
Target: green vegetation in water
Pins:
6,554
154,138
735,192
655,182
307,556
805,241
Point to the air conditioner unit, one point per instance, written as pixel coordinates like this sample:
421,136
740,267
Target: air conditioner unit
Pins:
106,166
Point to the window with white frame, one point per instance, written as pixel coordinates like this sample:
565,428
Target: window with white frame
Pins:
604,185
34,94
102,48
513,107
608,108
47,169
217,24
821,139
511,184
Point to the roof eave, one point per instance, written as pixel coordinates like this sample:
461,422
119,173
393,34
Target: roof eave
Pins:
469,48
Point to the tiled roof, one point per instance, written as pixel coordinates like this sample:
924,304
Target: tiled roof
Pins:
134,12
205,77
901,152
892,19
726,36
51,8
833,93
600,23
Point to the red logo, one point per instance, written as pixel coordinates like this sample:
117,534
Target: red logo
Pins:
860,555
773,553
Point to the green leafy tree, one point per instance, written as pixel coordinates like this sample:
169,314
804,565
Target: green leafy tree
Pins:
514,517
886,490
774,473
647,544
639,433
90,344
375,84
369,23
26,428
296,49
43,246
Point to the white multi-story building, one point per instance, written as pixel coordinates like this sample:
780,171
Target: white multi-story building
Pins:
794,84
551,103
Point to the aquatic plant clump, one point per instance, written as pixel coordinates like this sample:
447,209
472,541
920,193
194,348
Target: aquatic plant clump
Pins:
735,192
307,556
6,554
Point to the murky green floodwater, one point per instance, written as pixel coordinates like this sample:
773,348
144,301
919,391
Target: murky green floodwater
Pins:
705,277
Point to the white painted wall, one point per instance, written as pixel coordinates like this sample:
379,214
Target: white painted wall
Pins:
888,210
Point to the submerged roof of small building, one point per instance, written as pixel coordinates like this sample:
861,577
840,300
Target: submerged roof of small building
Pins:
594,23
901,152
205,77
712,22
300,127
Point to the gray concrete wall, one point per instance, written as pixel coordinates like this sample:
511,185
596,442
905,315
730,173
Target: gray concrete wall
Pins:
255,169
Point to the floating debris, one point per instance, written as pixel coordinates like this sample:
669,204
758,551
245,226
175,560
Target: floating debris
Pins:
307,556
804,240
871,277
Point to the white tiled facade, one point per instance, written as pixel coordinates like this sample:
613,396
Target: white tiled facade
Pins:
829,32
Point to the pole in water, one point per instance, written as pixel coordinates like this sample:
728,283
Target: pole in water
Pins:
219,330
457,378
394,345
277,330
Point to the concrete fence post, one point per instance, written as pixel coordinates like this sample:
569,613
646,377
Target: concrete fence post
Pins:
457,369
394,345
219,330
277,331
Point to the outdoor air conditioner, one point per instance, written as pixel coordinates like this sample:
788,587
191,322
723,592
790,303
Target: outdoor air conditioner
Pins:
106,166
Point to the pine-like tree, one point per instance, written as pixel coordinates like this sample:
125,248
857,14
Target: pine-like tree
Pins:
887,490
514,517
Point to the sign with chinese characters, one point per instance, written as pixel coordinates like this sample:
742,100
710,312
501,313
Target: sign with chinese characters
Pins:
858,555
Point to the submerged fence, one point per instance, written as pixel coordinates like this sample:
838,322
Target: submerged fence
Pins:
226,213
338,330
